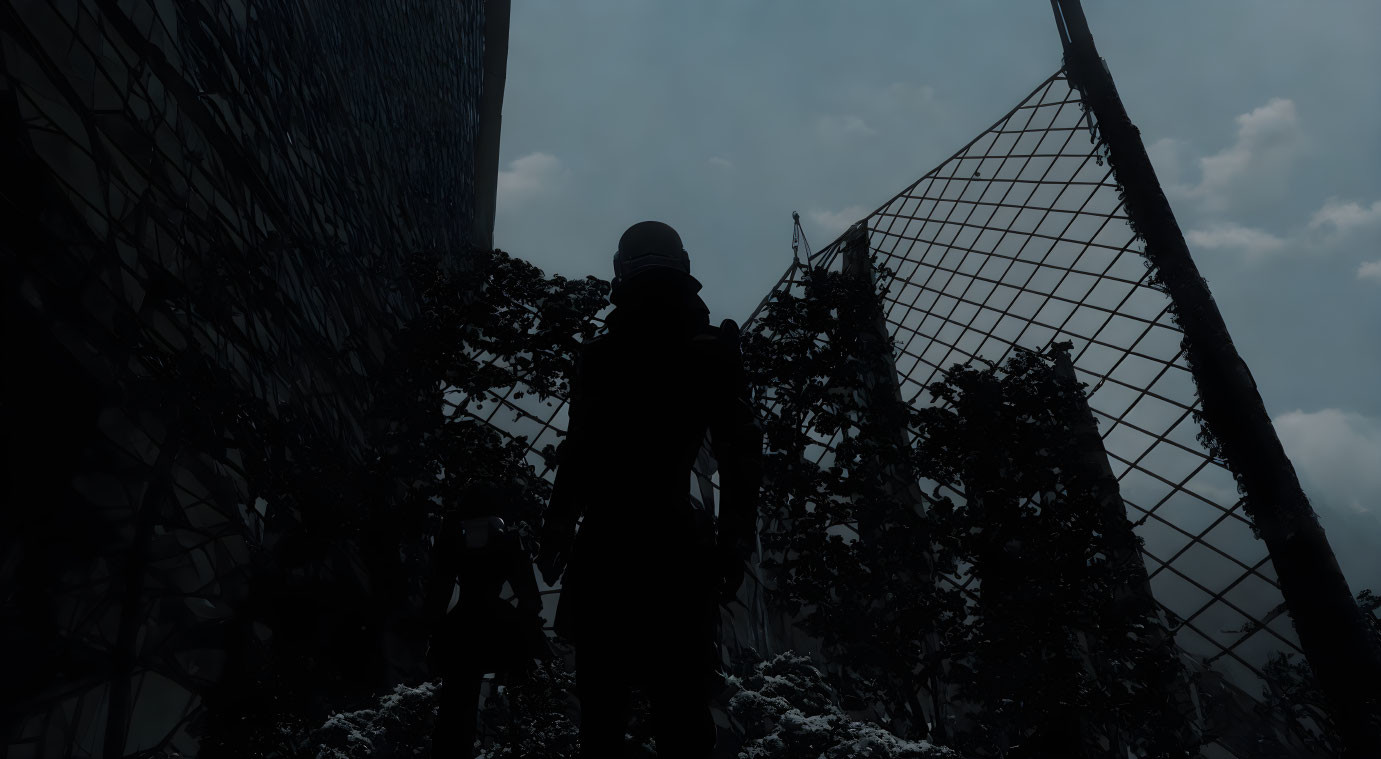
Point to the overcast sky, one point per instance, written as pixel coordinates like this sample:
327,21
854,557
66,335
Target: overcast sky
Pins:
1263,118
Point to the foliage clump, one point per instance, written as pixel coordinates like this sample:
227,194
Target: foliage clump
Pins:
865,600
1065,646
786,708
535,718
390,728
340,546
1292,699
1006,608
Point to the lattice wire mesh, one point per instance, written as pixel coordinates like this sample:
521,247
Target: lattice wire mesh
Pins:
517,411
1020,240
1017,241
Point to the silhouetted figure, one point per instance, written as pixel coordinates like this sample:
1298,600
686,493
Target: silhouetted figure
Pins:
646,569
483,633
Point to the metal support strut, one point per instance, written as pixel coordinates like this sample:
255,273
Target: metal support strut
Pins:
1342,651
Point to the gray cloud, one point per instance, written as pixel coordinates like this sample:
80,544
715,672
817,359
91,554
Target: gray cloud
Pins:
1258,163
835,127
1252,243
1343,217
1257,167
833,223
1337,454
526,178
1335,228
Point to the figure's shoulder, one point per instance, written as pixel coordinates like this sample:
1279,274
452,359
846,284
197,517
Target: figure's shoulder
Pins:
596,342
595,347
725,335
720,344
599,357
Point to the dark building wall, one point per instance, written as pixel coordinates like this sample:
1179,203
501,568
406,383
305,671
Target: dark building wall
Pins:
206,207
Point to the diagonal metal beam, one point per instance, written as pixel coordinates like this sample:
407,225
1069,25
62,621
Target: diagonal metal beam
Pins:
1345,656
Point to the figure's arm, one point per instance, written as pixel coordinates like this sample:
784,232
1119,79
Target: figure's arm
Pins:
524,580
441,580
569,491
736,440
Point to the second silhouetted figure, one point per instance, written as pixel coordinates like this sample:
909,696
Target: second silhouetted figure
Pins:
644,574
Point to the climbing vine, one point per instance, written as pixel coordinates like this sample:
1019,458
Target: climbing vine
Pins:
1052,646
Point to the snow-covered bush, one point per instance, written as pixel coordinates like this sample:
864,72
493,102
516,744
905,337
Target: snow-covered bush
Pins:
398,726
534,719
785,709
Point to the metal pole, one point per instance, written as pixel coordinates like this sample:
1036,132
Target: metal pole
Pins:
1345,656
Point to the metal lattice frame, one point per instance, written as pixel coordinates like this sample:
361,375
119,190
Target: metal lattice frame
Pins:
1017,241
1020,240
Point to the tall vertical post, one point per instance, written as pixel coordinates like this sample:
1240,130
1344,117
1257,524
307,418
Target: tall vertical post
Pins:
1343,653
1125,550
875,347
882,386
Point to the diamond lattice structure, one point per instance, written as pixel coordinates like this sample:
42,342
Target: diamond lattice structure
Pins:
1017,241
1020,240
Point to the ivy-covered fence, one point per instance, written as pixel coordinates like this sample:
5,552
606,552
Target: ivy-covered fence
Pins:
991,615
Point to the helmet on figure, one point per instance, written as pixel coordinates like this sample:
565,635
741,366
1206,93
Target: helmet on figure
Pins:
649,246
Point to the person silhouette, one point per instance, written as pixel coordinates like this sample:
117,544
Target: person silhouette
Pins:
644,572
483,633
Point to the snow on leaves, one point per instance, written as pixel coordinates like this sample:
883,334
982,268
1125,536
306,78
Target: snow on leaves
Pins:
786,709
